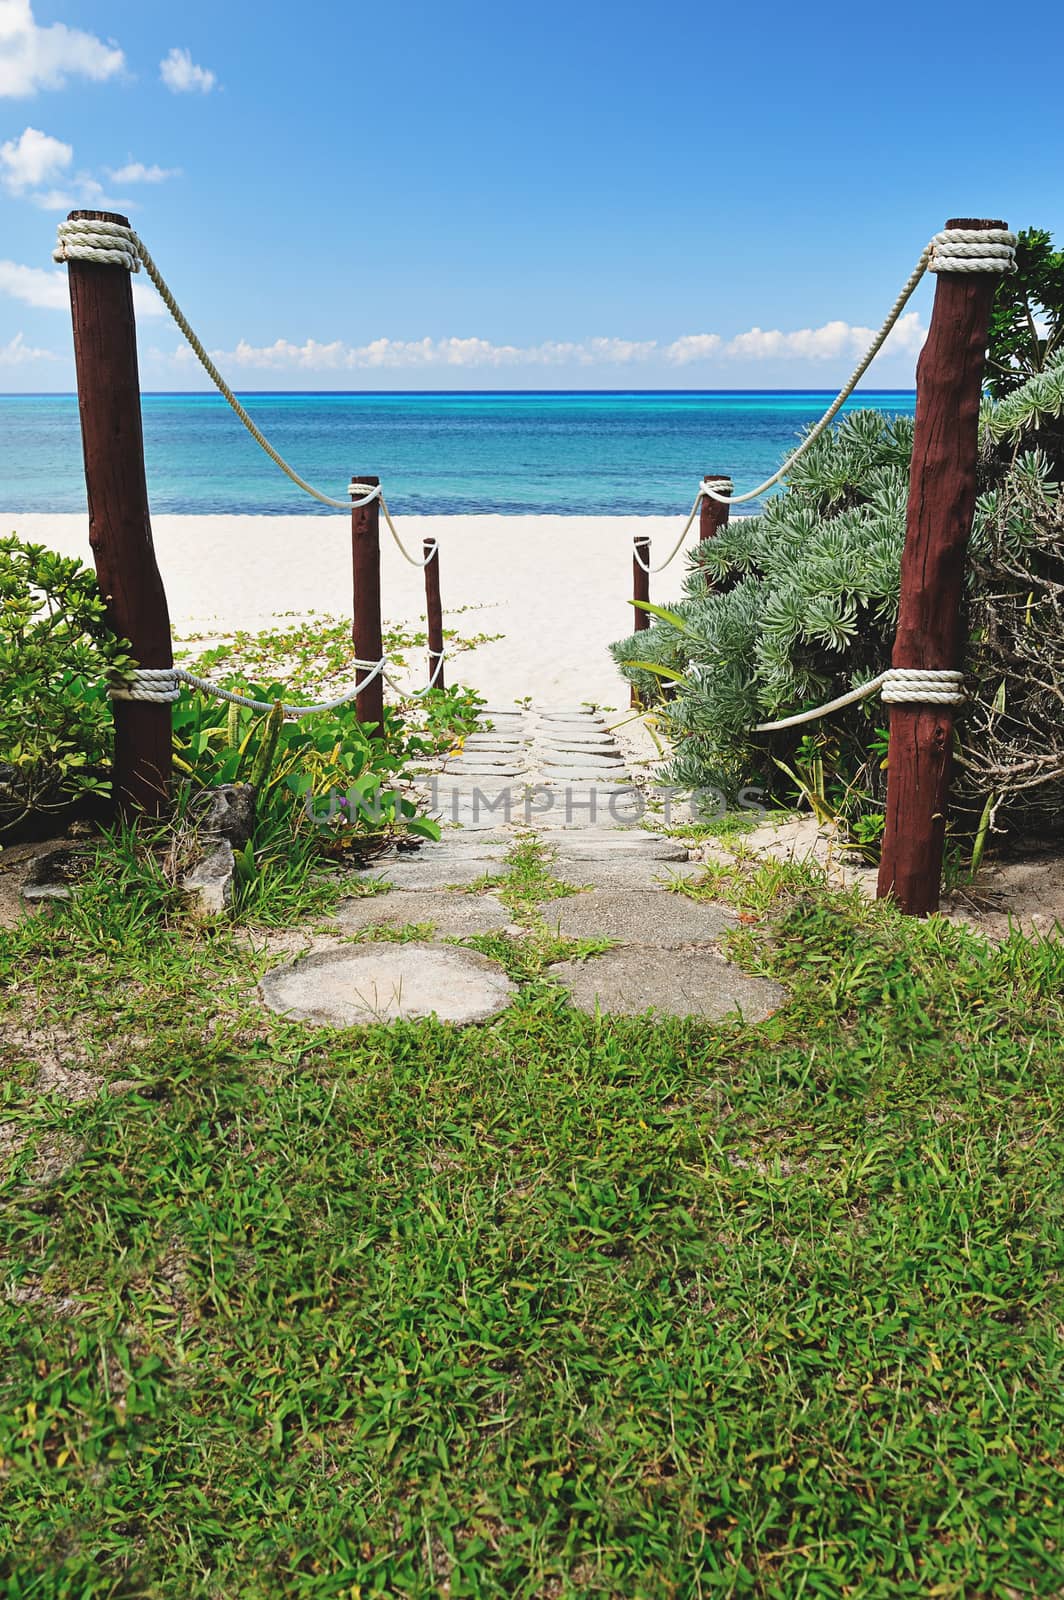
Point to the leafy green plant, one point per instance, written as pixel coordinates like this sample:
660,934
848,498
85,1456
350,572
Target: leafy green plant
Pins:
56,651
1027,321
323,773
802,607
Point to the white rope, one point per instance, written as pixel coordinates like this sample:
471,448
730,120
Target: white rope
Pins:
162,686
703,492
415,694
899,686
113,244
370,492
953,250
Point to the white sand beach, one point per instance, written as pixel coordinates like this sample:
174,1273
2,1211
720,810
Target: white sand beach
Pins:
557,588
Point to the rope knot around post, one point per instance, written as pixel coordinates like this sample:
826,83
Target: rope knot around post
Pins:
109,244
973,250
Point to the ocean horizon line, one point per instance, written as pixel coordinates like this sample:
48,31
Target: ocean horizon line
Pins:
377,394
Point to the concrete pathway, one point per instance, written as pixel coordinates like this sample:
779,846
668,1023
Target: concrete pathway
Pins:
561,775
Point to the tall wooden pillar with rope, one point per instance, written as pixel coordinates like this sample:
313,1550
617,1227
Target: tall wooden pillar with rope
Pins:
108,380
942,493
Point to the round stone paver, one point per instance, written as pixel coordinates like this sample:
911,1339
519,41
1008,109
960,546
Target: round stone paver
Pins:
359,984
639,917
458,915
678,983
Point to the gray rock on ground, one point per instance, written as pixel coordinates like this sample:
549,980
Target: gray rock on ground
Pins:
627,982
357,985
643,917
455,916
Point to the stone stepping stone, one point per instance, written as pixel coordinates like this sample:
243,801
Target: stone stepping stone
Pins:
355,985
639,917
605,805
439,872
605,844
455,916
583,742
626,872
581,758
585,773
685,983
560,725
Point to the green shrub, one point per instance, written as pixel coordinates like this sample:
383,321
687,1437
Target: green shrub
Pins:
324,773
56,651
790,609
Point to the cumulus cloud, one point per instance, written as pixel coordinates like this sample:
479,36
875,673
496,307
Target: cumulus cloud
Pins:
832,342
17,353
692,347
32,57
32,159
137,172
453,352
34,286
47,290
181,75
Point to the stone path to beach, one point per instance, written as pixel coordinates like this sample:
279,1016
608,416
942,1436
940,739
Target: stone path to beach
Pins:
560,775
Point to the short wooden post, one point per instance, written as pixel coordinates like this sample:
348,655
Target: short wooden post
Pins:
434,610
105,359
942,492
366,632
713,515
640,588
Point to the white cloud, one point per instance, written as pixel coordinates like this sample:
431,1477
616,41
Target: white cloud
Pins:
839,341
17,353
181,75
692,347
34,286
33,158
834,341
32,57
472,352
137,172
47,290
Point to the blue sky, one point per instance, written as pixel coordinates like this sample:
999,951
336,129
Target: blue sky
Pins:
485,195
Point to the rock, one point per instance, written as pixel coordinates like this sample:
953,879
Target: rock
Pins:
356,985
454,915
625,872
438,872
639,917
683,983
209,884
229,814
605,844
52,875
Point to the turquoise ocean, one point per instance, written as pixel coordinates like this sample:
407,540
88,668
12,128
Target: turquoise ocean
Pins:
571,453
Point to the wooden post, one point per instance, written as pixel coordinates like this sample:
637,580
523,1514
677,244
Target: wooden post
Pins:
942,491
366,626
712,515
640,588
434,610
105,358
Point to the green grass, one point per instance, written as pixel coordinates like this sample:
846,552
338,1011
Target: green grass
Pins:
556,1306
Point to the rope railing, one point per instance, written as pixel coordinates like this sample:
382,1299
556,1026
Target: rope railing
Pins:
162,686
953,250
898,686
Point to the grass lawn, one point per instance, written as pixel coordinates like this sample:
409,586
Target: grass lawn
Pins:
552,1307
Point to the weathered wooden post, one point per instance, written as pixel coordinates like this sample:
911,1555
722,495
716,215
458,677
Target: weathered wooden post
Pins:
105,359
434,610
942,492
640,588
713,515
366,632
